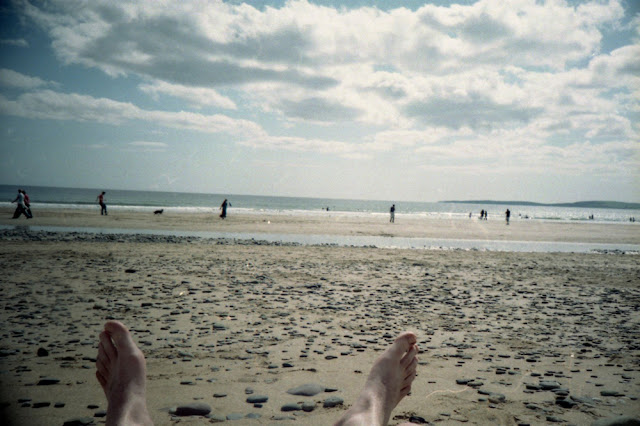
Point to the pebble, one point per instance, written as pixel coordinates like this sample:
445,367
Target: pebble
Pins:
257,399
47,381
193,409
78,421
308,406
332,401
610,393
292,406
235,416
308,389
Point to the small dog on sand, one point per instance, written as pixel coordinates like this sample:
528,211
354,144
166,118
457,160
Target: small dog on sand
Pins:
158,211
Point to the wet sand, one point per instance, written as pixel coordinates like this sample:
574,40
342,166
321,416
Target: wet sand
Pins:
506,338
334,223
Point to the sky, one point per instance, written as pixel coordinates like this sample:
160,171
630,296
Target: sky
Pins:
412,100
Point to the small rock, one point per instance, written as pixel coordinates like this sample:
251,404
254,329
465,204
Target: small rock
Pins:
193,409
79,421
43,352
308,389
257,399
611,393
308,407
332,401
291,407
46,381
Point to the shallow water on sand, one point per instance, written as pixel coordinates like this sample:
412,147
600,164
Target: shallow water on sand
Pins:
367,241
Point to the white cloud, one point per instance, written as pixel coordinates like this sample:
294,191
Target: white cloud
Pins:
522,83
148,144
196,96
52,105
10,78
20,42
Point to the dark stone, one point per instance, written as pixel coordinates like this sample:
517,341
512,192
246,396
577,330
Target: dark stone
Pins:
101,413
41,404
193,409
308,406
79,421
43,352
308,389
257,399
549,385
46,381
611,393
332,401
291,407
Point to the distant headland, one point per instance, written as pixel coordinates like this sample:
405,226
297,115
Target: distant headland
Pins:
581,204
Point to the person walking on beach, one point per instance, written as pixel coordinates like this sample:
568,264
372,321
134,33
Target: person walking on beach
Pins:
507,215
103,206
223,207
392,212
21,208
27,205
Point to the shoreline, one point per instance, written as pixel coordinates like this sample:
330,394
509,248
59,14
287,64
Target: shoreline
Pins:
38,233
338,225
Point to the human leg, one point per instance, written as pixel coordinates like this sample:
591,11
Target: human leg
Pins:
388,382
121,371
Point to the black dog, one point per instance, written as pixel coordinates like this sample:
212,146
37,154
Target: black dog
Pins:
158,211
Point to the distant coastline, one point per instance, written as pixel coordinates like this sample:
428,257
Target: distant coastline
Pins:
580,204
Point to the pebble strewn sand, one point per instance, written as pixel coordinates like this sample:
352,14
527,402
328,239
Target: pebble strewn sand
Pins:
506,338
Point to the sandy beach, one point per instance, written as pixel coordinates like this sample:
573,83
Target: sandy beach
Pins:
505,338
339,224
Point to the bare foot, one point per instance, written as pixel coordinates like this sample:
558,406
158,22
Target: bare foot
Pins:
122,375
389,381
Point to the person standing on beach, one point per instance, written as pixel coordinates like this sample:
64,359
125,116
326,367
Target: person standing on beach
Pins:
101,201
507,215
392,212
27,205
20,208
223,207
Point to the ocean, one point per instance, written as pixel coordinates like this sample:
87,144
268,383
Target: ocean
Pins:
82,198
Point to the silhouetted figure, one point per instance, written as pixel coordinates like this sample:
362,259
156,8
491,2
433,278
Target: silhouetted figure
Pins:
481,214
392,212
101,201
223,207
27,205
21,208
507,215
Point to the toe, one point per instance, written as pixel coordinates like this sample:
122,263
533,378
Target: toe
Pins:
404,342
120,335
106,347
